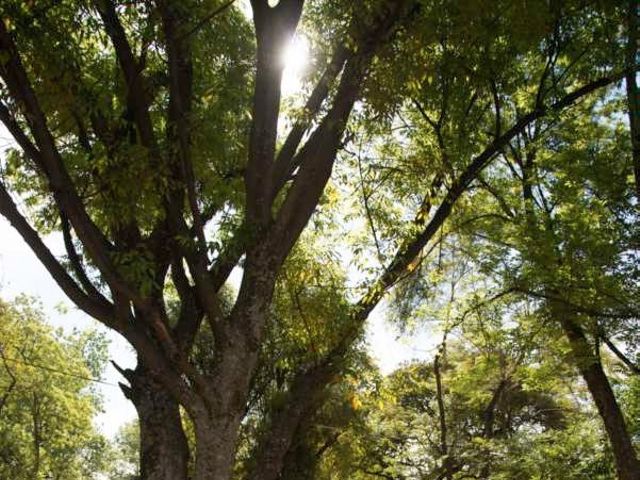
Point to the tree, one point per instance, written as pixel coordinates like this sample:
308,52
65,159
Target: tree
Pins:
131,122
488,406
125,453
565,241
47,399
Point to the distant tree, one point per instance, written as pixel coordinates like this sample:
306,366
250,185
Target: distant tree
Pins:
488,406
47,399
574,234
125,453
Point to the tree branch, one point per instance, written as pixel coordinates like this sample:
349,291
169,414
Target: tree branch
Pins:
274,29
302,398
76,262
285,162
12,383
441,410
317,156
98,308
623,358
62,187
407,254
137,95
633,94
206,19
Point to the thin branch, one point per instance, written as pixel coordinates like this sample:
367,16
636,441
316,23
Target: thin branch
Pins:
332,440
496,105
365,199
21,137
547,295
295,297
495,194
12,383
632,366
424,114
441,410
76,261
206,19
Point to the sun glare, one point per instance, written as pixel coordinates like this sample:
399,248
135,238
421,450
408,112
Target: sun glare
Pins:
295,58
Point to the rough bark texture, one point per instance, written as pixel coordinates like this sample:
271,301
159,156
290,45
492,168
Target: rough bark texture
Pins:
217,419
627,465
164,452
215,447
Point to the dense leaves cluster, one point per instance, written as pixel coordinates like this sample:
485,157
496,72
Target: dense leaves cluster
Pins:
47,399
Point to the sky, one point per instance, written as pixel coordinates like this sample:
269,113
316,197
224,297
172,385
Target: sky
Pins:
21,273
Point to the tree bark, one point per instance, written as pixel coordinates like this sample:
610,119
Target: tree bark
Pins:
164,452
216,439
627,465
37,440
444,447
633,96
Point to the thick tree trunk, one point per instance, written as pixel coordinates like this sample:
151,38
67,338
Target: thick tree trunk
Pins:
164,452
217,418
627,465
215,447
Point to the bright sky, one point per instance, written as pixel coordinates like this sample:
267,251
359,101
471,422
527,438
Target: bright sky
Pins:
21,272
295,58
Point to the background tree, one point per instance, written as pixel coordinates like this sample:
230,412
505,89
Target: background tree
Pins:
489,406
124,454
561,232
47,398
574,255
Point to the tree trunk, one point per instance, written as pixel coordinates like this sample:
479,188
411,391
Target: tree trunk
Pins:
216,440
627,465
444,447
37,440
164,451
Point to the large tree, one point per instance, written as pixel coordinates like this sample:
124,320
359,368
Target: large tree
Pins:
149,135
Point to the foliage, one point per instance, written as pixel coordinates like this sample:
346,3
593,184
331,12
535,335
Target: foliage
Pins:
123,453
507,415
47,399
